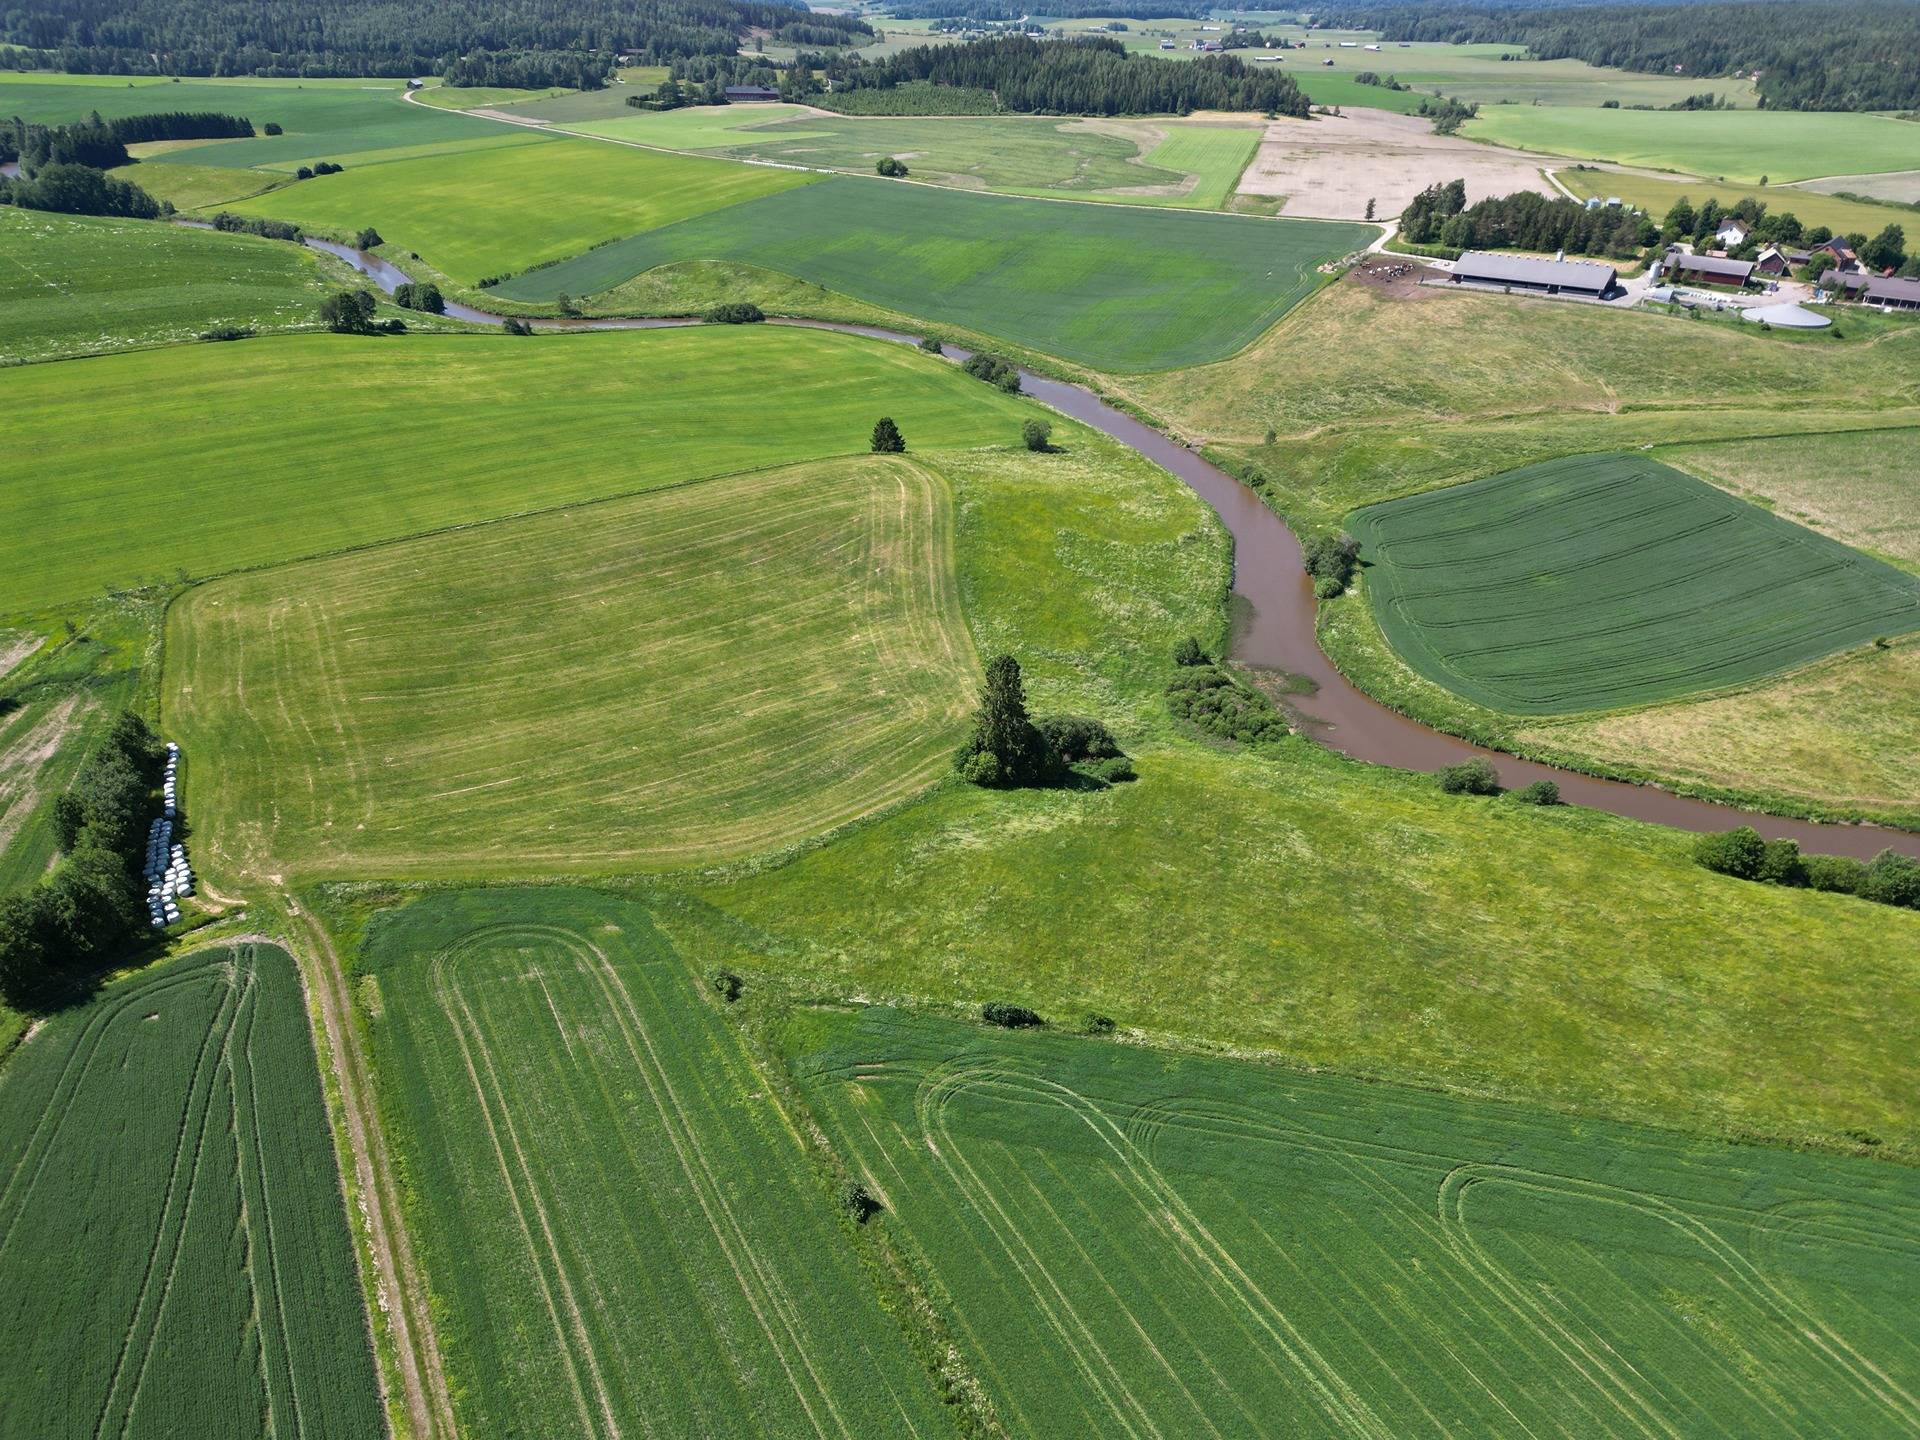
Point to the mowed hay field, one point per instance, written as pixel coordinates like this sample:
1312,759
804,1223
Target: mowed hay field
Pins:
1116,287
701,673
1133,1243
174,1257
1742,145
288,447
83,284
618,1223
505,208
1603,581
1161,163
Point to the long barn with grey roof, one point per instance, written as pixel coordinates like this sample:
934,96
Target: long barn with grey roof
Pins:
1527,272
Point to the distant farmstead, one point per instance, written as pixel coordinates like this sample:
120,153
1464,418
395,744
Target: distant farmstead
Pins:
750,94
1526,272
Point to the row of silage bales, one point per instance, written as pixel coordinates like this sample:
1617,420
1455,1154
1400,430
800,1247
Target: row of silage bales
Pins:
169,874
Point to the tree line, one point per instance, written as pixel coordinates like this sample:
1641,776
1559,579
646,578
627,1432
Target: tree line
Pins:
103,143
1085,75
81,190
68,926
1440,215
377,38
1005,10
1818,55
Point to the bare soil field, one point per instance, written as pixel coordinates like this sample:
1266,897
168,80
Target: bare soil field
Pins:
1330,166
1900,185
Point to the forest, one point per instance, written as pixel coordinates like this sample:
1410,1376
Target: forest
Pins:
1823,55
1004,10
382,38
1094,75
1440,215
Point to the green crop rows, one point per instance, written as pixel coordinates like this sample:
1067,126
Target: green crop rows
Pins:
1608,580
1137,1244
622,1230
172,1134
1118,287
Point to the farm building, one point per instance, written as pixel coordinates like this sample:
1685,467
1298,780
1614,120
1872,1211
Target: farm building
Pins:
1891,291
1844,260
1708,270
1733,232
1777,260
1525,272
750,94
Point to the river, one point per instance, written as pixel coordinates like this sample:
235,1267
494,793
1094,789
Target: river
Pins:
1275,616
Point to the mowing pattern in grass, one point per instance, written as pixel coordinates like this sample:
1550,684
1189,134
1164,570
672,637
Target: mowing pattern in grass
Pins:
622,1235
1193,165
1741,145
706,672
1608,580
1126,288
1134,1244
285,447
77,284
490,211
173,1247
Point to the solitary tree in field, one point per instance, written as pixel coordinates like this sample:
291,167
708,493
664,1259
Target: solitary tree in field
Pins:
1006,747
887,439
1369,207
348,312
367,239
1037,435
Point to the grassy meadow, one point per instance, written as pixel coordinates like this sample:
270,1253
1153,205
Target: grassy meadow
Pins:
489,212
86,284
1138,1243
1159,162
1738,145
619,1224
1601,582
674,678
1126,288
172,1131
287,447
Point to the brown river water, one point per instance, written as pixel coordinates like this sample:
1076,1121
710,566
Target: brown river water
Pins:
1275,617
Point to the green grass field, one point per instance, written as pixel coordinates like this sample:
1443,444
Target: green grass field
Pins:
674,678
1605,581
323,119
197,187
487,212
1738,145
174,1256
1657,196
1161,163
1122,288
287,447
83,284
621,1230
1132,1243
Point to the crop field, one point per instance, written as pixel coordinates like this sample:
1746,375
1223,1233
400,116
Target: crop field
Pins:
1899,186
197,187
1162,163
81,284
1602,581
1738,145
174,1256
287,447
323,119
691,675
1657,196
491,211
1125,288
1131,1243
620,1229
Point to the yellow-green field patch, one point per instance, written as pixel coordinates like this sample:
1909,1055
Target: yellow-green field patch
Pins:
704,672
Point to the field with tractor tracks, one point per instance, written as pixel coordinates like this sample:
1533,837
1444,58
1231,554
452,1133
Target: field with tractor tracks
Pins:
1141,1244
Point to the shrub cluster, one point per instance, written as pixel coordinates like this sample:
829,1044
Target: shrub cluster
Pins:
515,326
727,985
1471,777
1009,749
420,295
1890,878
228,332
739,312
319,167
1037,436
1217,703
350,312
1009,1017
255,225
893,169
95,902
995,371
1330,559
